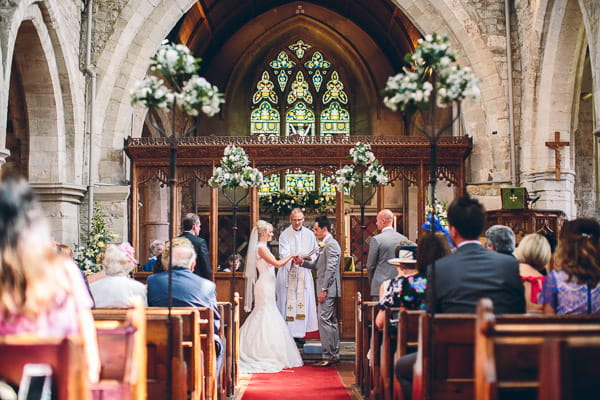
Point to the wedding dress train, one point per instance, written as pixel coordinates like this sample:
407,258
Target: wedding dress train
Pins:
266,344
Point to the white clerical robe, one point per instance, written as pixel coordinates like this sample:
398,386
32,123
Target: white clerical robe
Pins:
297,242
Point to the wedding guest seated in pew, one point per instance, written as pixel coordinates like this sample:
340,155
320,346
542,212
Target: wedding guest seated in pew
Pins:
41,292
533,254
500,238
470,273
156,248
407,289
117,289
573,286
188,289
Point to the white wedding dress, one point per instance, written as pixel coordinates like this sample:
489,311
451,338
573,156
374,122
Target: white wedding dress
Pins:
266,344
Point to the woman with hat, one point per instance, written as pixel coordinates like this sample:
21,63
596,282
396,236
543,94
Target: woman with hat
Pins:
407,289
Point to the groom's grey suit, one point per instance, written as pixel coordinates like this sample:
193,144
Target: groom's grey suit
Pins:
327,265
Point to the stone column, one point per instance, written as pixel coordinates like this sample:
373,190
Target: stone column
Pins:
61,202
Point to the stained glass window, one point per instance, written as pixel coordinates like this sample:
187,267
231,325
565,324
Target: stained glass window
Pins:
299,92
270,184
264,120
300,180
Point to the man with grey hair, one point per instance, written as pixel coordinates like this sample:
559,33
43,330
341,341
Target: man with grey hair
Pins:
191,230
500,238
188,289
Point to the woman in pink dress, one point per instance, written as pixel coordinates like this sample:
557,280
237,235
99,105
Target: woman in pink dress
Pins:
533,254
41,292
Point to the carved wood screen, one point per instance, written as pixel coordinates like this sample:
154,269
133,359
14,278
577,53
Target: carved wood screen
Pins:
405,158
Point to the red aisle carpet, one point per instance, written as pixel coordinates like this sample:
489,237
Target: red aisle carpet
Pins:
302,383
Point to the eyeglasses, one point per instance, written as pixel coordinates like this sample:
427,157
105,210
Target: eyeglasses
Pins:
298,220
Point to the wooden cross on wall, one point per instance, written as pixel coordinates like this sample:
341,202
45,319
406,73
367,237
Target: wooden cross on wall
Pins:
556,146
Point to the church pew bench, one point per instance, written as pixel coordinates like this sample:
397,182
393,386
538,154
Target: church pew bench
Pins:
123,357
229,327
63,355
207,329
192,347
400,335
569,368
510,351
141,276
452,352
365,314
158,347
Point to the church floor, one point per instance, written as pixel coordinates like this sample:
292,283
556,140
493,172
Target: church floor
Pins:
345,369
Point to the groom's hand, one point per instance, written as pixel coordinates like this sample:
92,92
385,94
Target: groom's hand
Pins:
297,260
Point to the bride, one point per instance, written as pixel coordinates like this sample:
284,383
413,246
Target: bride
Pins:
265,341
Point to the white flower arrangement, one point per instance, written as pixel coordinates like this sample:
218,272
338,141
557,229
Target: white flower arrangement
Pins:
411,90
178,68
235,171
364,166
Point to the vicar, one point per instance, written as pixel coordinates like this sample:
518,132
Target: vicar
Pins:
295,287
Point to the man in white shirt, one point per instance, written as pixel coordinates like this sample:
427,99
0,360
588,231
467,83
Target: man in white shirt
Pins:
295,286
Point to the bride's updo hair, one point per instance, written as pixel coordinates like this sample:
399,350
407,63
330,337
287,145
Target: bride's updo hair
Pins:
262,227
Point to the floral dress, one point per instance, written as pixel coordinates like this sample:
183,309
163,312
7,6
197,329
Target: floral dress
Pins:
568,297
405,291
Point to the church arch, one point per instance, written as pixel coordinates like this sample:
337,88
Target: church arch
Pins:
553,106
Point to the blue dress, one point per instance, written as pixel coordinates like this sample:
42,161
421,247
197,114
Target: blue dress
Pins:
569,297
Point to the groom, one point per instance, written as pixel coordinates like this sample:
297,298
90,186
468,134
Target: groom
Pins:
327,265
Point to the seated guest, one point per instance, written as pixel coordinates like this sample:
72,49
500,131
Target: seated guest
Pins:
572,287
533,254
500,238
408,288
117,289
467,275
41,292
188,289
68,252
234,262
156,248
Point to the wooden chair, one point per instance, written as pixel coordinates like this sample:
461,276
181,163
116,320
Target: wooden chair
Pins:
122,347
141,276
64,355
569,368
509,349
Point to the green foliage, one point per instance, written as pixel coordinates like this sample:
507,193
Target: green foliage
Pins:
282,203
89,256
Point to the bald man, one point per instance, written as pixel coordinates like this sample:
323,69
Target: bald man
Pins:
381,248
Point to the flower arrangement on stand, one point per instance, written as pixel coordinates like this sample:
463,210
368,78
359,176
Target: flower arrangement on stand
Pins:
235,177
361,178
434,80
89,256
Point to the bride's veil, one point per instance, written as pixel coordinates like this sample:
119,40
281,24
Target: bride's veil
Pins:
250,270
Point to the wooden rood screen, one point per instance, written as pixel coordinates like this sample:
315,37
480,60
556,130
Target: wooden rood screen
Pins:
407,158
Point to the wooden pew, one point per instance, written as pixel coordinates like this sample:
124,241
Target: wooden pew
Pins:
122,347
365,317
207,329
141,276
399,337
452,353
64,355
229,335
569,368
509,349
157,345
